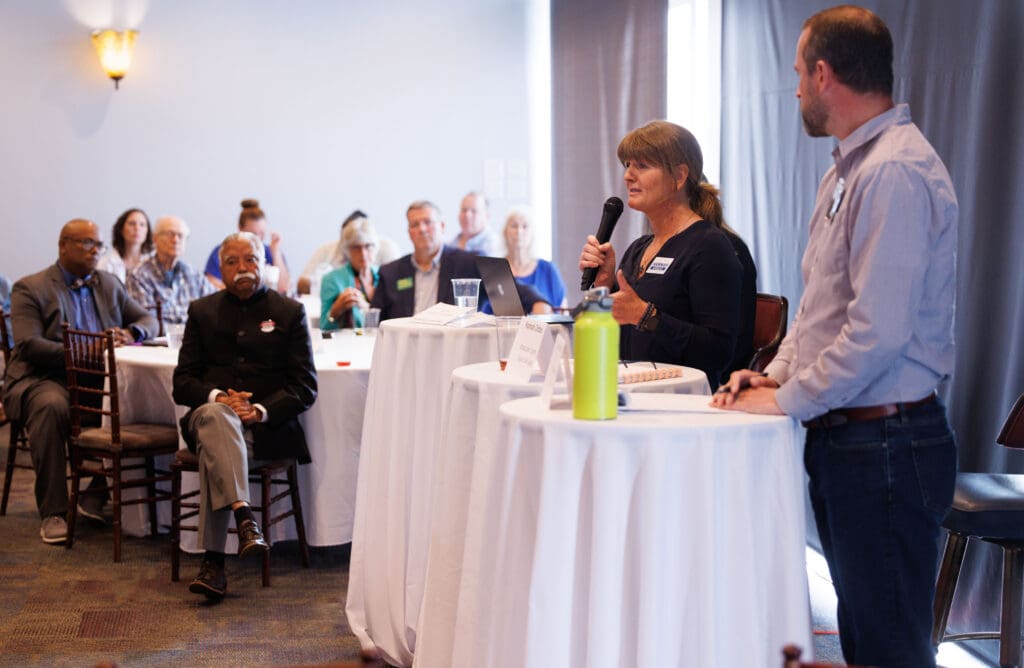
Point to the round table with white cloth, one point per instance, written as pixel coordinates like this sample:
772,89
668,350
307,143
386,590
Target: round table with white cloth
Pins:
477,392
670,536
405,408
333,427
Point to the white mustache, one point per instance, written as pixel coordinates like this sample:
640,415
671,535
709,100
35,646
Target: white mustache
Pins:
246,274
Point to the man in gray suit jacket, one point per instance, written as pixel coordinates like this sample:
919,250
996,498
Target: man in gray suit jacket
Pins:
35,391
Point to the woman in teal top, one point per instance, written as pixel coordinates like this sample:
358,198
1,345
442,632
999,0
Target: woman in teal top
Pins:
346,292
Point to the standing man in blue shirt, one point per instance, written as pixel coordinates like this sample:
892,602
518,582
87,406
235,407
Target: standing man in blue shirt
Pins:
871,341
35,390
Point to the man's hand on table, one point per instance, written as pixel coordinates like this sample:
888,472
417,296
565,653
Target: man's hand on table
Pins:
748,391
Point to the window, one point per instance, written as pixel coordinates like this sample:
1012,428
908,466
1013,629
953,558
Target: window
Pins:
694,87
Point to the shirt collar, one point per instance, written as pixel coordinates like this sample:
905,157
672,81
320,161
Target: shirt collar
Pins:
434,261
898,115
70,279
258,295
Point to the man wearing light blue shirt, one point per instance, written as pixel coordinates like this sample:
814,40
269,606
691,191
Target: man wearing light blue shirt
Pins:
871,341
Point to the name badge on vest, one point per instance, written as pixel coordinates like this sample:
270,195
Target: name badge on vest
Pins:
659,265
404,283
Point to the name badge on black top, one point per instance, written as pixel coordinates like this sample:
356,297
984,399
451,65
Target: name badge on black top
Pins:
659,265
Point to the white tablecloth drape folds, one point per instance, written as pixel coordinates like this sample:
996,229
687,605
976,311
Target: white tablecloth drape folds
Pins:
405,407
664,538
477,392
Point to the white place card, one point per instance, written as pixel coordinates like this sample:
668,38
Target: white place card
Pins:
559,358
523,358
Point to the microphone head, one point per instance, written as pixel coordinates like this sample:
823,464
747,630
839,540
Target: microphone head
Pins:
613,204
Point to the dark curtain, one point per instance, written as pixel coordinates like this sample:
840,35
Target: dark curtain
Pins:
958,65
608,61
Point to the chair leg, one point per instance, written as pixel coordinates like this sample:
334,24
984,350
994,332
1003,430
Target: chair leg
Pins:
300,524
945,587
115,483
265,516
72,518
1010,619
12,454
175,525
154,530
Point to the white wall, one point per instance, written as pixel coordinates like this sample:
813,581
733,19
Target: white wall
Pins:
315,108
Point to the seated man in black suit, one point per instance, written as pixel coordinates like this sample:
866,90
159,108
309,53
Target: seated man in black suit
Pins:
246,371
35,392
417,281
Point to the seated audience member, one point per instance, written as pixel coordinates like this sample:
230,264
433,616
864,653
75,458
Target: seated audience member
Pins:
423,278
133,244
528,269
252,219
347,291
245,391
678,293
35,392
474,235
165,276
331,255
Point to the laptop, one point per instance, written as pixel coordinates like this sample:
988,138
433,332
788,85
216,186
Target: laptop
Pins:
500,284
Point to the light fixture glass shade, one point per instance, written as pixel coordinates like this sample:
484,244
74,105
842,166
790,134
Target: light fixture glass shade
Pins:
115,51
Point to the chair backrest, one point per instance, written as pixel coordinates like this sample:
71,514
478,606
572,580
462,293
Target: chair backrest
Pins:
91,377
770,321
1012,433
160,317
4,343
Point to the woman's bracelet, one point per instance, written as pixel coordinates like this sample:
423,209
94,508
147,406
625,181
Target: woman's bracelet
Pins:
646,316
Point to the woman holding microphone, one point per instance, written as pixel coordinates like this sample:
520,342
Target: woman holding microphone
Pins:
681,294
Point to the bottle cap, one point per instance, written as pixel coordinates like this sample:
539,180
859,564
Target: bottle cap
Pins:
595,300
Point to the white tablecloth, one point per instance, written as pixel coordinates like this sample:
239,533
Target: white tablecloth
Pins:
333,428
477,392
412,365
671,538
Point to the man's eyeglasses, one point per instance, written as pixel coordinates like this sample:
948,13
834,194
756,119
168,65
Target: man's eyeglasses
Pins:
88,244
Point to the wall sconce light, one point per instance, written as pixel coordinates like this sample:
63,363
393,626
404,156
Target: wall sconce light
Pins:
115,51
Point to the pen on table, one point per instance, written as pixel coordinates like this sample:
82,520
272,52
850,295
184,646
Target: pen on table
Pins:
744,383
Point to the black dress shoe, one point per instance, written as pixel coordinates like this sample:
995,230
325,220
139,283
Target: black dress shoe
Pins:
250,540
211,581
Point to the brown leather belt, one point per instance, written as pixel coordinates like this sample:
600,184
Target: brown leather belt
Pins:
841,416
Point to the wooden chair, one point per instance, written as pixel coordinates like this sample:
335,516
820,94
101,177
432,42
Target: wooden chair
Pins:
17,442
186,506
109,450
769,329
988,507
159,308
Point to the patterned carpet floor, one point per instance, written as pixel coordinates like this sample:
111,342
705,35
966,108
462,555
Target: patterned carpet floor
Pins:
61,607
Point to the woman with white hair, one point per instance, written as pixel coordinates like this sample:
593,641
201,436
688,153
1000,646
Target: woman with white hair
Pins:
526,267
346,292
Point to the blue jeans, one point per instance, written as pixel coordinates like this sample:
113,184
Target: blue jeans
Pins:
880,490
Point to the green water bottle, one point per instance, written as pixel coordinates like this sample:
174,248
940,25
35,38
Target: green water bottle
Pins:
595,381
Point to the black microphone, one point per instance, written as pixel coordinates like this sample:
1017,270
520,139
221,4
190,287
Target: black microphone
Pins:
610,216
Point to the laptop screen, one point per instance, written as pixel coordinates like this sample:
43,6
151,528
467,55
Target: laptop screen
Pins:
500,285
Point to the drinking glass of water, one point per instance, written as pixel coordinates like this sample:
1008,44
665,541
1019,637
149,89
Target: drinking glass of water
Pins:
467,292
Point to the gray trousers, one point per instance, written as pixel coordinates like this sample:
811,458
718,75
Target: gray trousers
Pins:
224,448
47,419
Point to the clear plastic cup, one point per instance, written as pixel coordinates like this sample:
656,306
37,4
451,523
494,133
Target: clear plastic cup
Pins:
467,292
